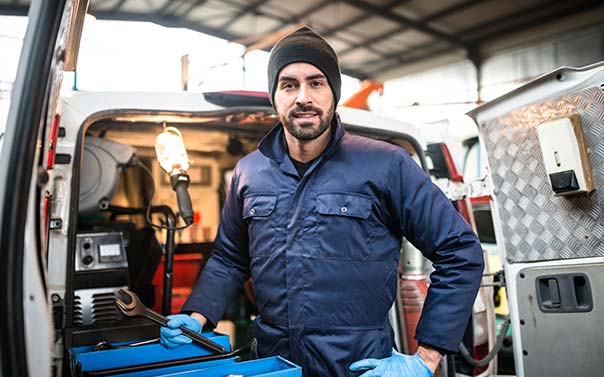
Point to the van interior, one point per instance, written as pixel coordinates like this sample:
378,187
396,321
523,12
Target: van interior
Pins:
116,247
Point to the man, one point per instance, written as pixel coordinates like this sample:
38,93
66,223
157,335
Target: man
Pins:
316,217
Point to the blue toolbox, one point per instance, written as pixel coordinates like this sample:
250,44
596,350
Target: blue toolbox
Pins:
189,360
92,360
271,366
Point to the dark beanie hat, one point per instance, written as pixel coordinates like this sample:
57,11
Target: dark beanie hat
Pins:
304,46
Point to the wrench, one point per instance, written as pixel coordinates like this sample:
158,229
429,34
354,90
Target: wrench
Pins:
129,303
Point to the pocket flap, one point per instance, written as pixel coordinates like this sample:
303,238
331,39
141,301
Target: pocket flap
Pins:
344,205
258,205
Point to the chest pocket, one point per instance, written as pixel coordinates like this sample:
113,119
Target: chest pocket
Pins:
344,227
258,212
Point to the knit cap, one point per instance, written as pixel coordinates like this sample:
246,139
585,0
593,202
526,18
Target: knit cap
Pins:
304,46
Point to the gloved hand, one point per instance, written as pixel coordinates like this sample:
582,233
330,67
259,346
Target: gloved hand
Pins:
396,365
171,336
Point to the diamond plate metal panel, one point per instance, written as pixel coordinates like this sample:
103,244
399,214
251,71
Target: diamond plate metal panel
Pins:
536,225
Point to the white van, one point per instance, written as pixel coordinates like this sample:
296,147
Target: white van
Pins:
77,176
545,146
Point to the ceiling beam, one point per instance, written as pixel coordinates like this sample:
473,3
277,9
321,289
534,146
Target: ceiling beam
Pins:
283,20
415,24
415,59
297,18
433,17
545,18
174,21
249,8
354,73
164,20
193,5
446,12
118,5
355,20
13,10
477,28
561,10
419,49
171,21
329,32
169,4
263,13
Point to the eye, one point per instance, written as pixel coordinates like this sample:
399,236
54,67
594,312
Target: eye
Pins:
317,83
287,85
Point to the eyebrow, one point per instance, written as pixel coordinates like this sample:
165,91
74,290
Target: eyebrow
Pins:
307,78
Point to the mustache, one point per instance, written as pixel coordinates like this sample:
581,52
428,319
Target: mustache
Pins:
305,108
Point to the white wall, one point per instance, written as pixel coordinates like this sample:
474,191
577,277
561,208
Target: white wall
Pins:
438,98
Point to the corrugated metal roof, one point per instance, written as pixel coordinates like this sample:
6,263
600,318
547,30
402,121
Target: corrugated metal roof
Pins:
372,37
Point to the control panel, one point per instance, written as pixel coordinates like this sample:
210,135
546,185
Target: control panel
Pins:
100,251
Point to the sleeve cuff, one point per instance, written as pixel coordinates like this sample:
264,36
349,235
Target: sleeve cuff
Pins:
440,350
444,349
204,308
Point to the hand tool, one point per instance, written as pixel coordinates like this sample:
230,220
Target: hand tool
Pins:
129,303
105,345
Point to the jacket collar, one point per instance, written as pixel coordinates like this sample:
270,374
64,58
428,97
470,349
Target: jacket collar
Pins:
273,144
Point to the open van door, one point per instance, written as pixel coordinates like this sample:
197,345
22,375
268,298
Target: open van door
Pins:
545,146
50,46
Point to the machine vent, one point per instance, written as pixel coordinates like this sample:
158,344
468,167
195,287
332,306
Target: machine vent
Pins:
103,308
77,311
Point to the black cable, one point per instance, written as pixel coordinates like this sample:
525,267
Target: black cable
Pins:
137,162
251,347
487,359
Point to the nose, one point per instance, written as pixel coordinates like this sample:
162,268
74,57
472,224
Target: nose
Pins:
304,96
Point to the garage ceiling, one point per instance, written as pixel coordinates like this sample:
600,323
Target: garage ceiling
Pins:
374,38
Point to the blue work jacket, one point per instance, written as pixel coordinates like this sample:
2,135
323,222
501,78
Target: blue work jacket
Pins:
323,250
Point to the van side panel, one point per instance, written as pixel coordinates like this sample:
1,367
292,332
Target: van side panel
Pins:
536,225
553,246
551,339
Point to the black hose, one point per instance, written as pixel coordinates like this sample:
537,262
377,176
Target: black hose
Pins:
137,162
487,359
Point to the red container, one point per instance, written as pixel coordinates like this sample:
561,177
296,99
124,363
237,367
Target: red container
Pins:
186,272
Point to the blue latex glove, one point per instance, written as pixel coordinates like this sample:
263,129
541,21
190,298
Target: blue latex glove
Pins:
171,336
396,365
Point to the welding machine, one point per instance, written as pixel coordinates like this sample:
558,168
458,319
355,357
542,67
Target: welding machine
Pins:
101,269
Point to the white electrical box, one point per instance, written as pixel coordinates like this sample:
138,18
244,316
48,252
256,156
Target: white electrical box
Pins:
566,155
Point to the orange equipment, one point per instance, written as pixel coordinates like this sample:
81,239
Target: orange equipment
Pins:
359,99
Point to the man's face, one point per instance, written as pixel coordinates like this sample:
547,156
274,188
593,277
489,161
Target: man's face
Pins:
304,101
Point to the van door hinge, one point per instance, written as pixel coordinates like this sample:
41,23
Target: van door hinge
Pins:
58,310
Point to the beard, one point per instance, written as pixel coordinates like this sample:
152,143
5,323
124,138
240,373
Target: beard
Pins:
305,130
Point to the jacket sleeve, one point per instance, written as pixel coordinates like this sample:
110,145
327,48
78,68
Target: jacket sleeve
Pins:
228,267
426,217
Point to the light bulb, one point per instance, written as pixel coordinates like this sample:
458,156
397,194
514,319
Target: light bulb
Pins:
171,152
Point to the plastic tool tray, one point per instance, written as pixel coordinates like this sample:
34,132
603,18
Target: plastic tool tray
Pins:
116,362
